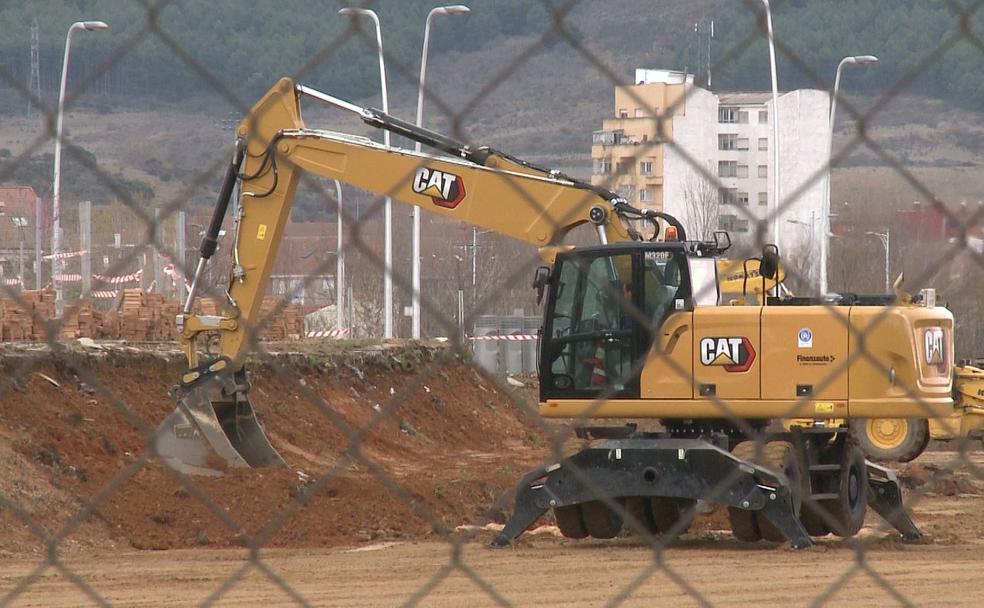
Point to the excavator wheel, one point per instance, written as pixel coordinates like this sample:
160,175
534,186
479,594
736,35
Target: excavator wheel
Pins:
744,524
600,520
673,514
570,522
639,507
848,509
778,456
892,439
781,457
814,522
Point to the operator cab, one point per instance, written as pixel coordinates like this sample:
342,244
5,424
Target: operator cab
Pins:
606,303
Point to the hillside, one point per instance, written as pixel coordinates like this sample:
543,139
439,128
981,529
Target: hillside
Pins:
536,96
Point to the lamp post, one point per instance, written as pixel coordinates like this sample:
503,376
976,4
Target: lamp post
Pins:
56,265
339,263
886,241
456,9
825,213
775,122
388,209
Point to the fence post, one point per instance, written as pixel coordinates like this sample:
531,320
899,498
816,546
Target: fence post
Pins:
158,269
85,242
38,222
179,263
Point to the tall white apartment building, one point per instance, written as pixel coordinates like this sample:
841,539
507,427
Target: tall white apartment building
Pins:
715,152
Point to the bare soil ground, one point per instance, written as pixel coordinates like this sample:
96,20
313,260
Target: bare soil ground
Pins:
376,531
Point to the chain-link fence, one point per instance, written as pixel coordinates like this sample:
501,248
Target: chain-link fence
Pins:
628,366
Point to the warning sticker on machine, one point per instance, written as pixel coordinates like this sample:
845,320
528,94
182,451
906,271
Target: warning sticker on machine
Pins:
815,359
804,338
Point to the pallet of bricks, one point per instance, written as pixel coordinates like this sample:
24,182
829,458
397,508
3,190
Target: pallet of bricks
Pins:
284,324
146,317
25,317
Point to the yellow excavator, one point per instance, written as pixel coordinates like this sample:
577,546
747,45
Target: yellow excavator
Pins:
634,327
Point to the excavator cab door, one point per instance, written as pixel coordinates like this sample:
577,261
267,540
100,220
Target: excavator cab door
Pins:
604,307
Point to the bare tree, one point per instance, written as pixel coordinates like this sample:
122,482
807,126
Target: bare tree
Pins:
703,206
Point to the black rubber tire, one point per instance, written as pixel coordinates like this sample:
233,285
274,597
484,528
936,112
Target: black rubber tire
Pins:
570,522
599,520
744,524
673,515
849,508
781,457
912,441
638,507
814,521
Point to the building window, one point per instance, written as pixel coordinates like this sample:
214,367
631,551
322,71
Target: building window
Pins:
727,196
19,221
602,166
645,195
624,167
646,167
763,117
626,191
727,141
763,171
728,168
727,115
743,199
623,113
763,198
742,143
638,113
743,117
763,143
742,171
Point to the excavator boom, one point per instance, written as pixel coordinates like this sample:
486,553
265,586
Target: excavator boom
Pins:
480,186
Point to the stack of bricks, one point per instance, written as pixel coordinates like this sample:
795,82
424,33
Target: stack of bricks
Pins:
25,319
143,317
284,324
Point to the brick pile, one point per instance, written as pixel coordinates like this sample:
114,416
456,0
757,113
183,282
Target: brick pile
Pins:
141,317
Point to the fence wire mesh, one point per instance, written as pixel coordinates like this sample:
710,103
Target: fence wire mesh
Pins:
661,571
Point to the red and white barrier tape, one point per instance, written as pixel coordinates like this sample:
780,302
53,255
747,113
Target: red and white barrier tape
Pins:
175,275
508,337
105,294
64,255
328,333
68,278
127,278
14,281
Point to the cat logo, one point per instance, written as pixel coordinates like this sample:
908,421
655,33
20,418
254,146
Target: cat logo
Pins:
734,354
445,189
934,346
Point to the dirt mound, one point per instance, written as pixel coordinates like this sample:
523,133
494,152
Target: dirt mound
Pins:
947,479
436,445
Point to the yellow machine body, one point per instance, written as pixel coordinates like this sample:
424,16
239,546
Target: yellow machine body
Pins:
861,362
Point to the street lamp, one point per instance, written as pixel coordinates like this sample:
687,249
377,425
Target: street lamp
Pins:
456,9
775,122
885,238
89,26
339,262
388,210
825,214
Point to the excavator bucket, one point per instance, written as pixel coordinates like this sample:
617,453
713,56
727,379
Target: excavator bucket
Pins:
214,419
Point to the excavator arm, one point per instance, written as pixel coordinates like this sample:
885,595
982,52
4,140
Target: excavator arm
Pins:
480,186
